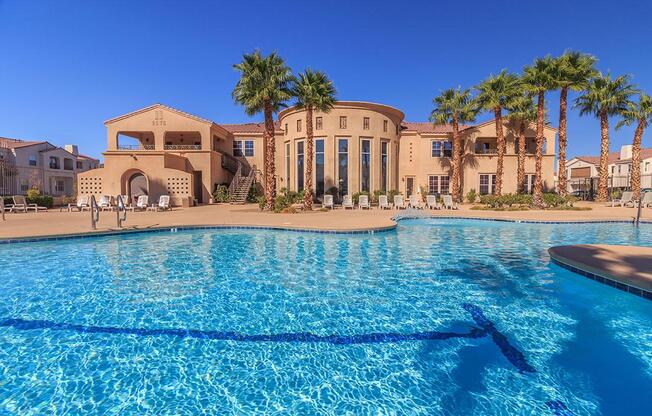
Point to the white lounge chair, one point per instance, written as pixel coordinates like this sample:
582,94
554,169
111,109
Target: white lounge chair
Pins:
415,202
328,202
141,204
625,199
162,205
399,202
347,202
363,202
21,205
383,203
432,203
647,199
81,204
105,203
448,202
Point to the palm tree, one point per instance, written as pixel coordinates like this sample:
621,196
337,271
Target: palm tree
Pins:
605,97
494,94
572,72
264,86
522,112
539,78
641,114
455,106
313,92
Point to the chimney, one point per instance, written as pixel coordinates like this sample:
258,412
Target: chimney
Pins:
72,148
626,152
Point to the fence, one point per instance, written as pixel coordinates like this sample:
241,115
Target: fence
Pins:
586,188
17,180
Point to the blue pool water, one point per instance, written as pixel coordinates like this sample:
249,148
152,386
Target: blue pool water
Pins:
450,317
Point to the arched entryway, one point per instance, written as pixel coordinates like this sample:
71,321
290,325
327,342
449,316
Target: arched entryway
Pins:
134,184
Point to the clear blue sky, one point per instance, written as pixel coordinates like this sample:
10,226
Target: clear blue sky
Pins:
66,66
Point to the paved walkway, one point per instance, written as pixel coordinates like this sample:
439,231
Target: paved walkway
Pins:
628,265
54,222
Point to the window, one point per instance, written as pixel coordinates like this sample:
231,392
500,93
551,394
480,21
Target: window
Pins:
298,126
436,149
249,148
441,149
647,166
67,164
448,149
80,165
365,123
237,148
319,167
444,182
433,184
24,185
384,146
487,184
54,162
365,165
300,166
286,129
343,165
529,183
287,164
32,160
385,125
319,124
59,186
613,170
342,122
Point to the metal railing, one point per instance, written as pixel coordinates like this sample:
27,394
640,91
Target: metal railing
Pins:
235,182
182,147
95,212
136,147
120,206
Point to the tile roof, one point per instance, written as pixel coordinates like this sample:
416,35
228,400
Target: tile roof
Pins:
10,143
614,157
248,127
428,127
87,157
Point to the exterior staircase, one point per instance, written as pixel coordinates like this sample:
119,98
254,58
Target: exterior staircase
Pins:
240,185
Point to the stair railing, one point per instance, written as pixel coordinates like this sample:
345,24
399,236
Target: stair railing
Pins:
95,212
120,206
233,186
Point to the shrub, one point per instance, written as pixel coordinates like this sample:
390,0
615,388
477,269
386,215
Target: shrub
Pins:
254,192
376,194
221,194
424,193
391,194
262,201
356,196
40,200
553,200
471,195
33,193
286,198
334,190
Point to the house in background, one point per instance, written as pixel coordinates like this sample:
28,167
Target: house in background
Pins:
39,164
582,171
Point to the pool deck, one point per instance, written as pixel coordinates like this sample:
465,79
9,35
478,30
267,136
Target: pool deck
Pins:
627,268
55,223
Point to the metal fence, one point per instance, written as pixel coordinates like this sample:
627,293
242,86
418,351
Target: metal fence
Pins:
586,188
17,180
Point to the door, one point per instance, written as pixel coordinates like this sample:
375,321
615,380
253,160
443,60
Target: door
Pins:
198,186
409,186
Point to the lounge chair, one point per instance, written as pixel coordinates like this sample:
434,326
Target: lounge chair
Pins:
383,203
141,204
81,204
328,202
21,205
105,203
625,199
347,202
431,202
415,202
399,202
448,202
363,202
162,205
646,200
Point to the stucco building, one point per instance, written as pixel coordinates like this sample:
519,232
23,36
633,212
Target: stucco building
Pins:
359,146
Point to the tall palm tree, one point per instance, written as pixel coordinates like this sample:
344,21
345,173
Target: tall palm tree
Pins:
494,94
522,112
572,72
313,92
539,78
641,114
264,86
605,97
455,107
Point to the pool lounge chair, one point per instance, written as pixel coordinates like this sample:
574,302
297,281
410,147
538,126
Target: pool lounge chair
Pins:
141,204
20,205
347,202
399,202
383,203
448,202
415,202
81,204
105,203
363,202
646,200
625,200
162,205
328,202
431,202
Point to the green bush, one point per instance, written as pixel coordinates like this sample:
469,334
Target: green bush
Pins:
506,200
254,192
471,195
262,201
424,193
391,194
553,200
33,193
356,196
334,190
221,194
286,198
40,200
376,194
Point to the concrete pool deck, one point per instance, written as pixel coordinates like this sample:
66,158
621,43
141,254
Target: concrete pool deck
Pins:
628,268
55,223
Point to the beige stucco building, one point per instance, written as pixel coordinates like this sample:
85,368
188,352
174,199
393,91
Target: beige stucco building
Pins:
359,146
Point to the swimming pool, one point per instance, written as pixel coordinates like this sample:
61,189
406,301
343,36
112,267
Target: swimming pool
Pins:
438,317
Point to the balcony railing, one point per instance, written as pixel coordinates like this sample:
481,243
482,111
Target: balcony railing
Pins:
481,151
135,147
182,147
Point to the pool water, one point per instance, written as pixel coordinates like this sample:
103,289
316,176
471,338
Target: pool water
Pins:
450,317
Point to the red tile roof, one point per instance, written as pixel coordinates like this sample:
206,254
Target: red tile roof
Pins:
245,127
428,127
614,157
9,143
87,157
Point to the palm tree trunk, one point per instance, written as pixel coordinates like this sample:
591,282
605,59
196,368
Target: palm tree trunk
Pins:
457,161
307,198
500,143
270,150
636,160
603,171
561,174
538,180
520,171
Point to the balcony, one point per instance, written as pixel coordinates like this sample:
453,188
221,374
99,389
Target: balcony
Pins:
182,147
135,147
